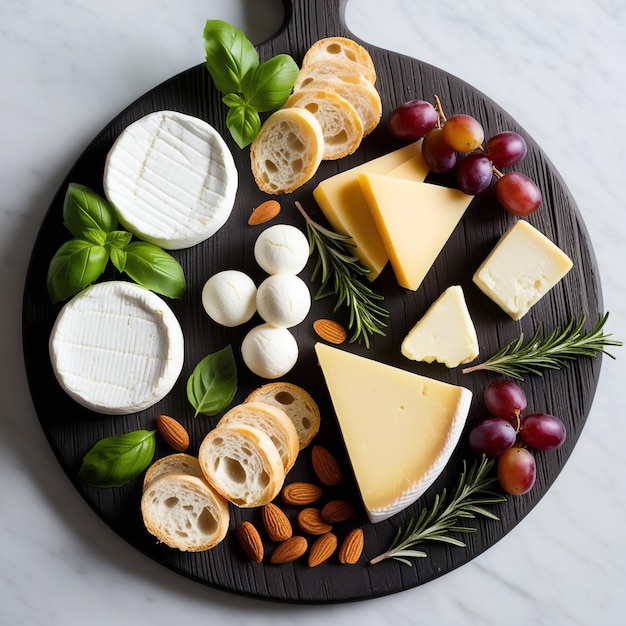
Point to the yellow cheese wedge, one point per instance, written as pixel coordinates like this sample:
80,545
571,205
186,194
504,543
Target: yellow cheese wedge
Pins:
523,266
399,428
414,220
445,334
344,206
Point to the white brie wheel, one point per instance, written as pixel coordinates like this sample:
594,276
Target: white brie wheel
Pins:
171,179
116,348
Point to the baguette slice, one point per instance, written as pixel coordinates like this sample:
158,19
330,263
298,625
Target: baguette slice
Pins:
341,125
341,69
296,403
242,464
287,151
273,421
184,512
340,48
179,463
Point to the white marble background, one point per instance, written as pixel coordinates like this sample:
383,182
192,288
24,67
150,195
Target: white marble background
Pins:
68,66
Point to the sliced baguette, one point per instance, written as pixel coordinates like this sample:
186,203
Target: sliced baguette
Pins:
184,512
341,125
341,69
179,462
340,48
296,403
242,464
287,151
273,421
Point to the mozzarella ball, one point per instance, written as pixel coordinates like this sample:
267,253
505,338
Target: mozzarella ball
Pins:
282,248
229,298
283,300
268,351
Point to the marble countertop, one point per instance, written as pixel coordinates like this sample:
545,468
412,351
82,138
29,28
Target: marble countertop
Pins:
70,66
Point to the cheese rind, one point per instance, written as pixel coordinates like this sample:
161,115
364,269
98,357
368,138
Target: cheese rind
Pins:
171,179
414,220
116,348
399,428
342,201
445,333
522,267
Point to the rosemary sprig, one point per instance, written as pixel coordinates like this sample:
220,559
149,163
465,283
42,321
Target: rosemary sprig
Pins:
472,493
553,351
340,274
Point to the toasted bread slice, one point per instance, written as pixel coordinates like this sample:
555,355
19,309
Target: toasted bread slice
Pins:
340,48
341,69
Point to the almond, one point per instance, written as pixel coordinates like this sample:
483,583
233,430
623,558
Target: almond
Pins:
264,212
276,523
301,494
250,540
325,466
322,549
330,331
289,550
311,521
351,547
173,433
337,511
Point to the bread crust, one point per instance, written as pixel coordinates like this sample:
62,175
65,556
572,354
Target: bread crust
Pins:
340,48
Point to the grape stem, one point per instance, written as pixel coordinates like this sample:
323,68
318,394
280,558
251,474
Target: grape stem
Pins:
441,116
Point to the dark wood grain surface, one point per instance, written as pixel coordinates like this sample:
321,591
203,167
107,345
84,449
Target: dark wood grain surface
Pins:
72,430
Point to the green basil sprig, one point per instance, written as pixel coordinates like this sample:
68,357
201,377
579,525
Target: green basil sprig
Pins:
82,260
114,461
213,382
248,86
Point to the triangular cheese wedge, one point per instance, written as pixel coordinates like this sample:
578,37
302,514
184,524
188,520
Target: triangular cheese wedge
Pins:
399,428
414,220
445,334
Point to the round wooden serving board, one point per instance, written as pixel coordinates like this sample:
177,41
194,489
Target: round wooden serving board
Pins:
72,430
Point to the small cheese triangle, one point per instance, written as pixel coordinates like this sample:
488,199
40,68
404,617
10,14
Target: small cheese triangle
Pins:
399,428
445,334
414,219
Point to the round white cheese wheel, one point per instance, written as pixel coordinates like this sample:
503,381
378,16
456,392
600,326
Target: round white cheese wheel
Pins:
171,179
282,248
283,300
116,348
268,351
229,298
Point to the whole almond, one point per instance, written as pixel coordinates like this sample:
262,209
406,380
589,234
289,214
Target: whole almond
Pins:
311,521
351,547
250,540
337,511
322,549
264,212
173,432
289,550
276,523
301,493
325,466
330,331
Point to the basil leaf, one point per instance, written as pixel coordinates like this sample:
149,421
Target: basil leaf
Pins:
213,383
118,258
229,55
76,264
244,124
268,85
95,236
114,461
84,209
118,239
153,268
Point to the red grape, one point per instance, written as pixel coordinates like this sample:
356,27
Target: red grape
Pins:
463,133
542,432
492,436
506,399
475,173
412,120
439,156
518,194
517,470
506,149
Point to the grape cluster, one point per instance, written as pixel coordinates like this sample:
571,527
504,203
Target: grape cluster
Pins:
459,142
509,435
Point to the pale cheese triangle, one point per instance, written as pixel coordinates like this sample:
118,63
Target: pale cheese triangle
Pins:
399,428
415,220
445,333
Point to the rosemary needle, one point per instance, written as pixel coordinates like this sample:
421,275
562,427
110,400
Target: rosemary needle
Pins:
341,275
553,351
